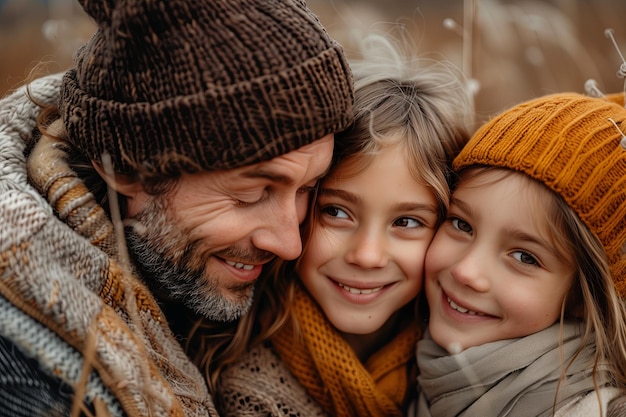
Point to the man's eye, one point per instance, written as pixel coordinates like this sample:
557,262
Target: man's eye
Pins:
254,198
241,203
461,225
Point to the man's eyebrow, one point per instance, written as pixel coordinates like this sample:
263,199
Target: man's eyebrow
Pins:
268,175
275,177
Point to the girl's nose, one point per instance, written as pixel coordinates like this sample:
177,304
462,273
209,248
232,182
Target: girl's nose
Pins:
471,271
367,250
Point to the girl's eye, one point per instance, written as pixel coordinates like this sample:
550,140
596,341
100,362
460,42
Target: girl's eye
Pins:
461,225
525,258
335,211
407,222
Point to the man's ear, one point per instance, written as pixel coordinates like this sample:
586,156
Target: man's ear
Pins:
123,184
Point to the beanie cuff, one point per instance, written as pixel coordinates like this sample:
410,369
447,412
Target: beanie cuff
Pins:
253,121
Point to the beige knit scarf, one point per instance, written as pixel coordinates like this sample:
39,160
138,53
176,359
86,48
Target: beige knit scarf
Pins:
332,374
514,378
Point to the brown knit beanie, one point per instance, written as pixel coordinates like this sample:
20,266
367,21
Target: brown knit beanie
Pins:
569,143
188,85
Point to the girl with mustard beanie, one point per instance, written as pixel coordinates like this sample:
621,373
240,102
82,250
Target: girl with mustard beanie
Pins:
334,333
526,277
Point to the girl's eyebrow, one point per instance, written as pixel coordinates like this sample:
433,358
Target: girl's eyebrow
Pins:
525,237
464,207
355,199
414,206
520,235
342,194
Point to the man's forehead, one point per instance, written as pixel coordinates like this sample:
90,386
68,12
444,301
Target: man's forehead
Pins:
284,169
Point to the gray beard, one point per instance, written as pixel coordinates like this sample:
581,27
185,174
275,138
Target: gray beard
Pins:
171,263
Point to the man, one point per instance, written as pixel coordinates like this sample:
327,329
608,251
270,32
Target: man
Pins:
200,127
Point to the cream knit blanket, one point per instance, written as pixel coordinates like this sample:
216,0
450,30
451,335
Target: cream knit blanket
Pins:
64,299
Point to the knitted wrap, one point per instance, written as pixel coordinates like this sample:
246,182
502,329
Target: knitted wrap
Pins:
329,369
65,301
574,145
516,377
188,85
259,383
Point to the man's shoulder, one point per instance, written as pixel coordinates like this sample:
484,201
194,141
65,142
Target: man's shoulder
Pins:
45,90
18,122
20,108
25,389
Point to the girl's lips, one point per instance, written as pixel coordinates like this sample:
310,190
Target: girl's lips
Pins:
456,309
361,294
463,310
360,290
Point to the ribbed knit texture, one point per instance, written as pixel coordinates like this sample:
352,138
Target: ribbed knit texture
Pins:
259,384
23,389
67,299
567,142
187,85
333,375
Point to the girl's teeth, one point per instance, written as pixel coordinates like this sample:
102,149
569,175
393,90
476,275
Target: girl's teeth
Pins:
359,291
463,310
239,265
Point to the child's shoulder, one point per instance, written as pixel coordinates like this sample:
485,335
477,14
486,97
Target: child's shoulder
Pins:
588,405
260,384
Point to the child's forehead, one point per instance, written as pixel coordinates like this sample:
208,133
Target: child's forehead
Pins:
351,166
498,185
361,162
481,176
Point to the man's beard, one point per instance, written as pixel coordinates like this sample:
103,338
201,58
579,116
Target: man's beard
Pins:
171,263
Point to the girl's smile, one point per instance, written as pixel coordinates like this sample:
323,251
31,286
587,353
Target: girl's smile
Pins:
364,259
362,293
492,270
461,309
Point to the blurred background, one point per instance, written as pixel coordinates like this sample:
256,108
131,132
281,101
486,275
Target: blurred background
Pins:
514,50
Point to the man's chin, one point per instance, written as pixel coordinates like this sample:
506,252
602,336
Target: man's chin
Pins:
227,306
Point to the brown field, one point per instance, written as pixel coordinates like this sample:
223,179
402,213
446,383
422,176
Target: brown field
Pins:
516,50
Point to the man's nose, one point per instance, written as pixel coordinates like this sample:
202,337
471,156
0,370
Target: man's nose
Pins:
280,234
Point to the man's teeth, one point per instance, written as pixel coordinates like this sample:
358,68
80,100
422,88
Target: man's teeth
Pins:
358,290
239,265
463,310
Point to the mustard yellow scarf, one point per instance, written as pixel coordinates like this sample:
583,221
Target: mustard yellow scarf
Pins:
332,373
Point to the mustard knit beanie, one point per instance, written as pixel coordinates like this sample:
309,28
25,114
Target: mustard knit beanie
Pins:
569,143
188,85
